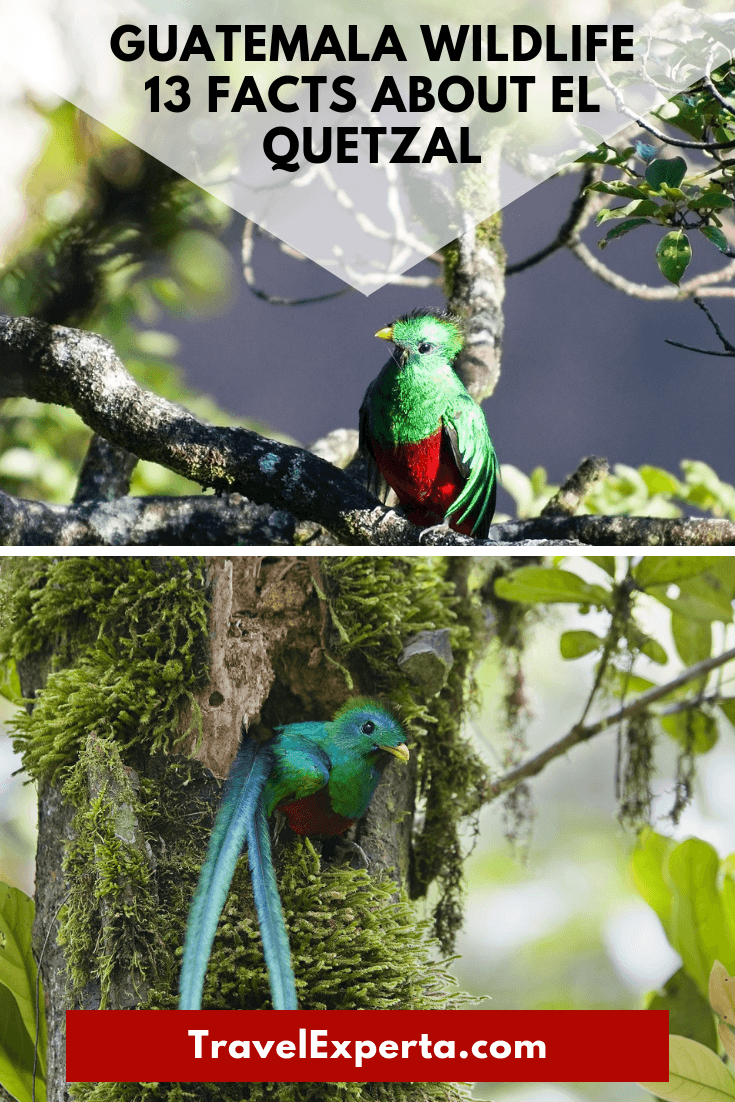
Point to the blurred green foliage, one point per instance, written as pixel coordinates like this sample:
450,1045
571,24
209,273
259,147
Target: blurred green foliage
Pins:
630,491
113,242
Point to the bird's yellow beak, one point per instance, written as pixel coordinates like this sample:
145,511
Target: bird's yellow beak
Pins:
385,334
400,751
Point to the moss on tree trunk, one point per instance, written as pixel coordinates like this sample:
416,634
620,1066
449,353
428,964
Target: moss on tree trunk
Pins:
141,670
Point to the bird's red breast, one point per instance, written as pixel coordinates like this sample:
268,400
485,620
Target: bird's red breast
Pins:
425,477
313,815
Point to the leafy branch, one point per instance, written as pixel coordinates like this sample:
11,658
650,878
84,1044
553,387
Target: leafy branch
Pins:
583,732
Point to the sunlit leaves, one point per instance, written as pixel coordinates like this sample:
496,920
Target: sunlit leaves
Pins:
629,491
680,882
671,192
665,569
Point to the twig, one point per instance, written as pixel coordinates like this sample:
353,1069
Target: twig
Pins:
729,348
580,733
700,284
680,143
702,351
574,490
569,228
276,300
710,84
106,472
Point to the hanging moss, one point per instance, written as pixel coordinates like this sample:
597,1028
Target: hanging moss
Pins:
129,644
376,605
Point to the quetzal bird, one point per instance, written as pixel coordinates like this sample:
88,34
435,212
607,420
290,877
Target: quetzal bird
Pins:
423,434
322,776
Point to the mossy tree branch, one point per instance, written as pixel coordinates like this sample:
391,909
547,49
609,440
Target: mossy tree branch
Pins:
288,484
584,732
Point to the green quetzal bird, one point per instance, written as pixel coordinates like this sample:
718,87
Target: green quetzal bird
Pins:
322,776
423,434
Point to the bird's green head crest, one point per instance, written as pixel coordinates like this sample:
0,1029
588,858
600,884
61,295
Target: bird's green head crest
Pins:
370,727
425,334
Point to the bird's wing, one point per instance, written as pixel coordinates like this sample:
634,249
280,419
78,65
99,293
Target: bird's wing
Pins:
303,767
466,430
241,817
376,484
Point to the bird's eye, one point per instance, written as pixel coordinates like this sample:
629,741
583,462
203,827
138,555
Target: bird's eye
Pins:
368,728
425,346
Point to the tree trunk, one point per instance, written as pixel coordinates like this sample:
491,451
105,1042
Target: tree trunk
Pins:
124,812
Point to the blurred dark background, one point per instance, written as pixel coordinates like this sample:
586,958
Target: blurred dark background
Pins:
585,368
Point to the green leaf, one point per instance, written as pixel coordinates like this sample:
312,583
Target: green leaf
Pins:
728,707
653,650
698,599
10,682
605,562
692,638
706,596
665,569
623,682
605,155
575,644
623,228
16,1053
698,929
690,1014
711,199
667,171
18,997
696,1074
619,187
675,194
639,208
716,236
728,899
538,585
658,480
692,729
673,255
647,867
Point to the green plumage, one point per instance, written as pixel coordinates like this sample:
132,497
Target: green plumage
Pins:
423,434
323,776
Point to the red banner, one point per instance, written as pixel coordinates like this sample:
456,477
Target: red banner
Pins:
367,1046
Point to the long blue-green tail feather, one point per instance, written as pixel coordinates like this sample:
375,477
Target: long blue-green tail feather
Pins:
241,817
273,931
